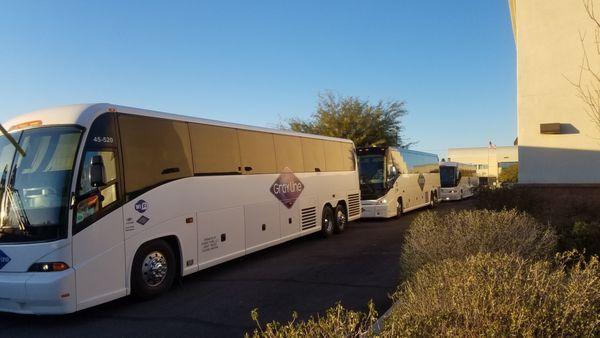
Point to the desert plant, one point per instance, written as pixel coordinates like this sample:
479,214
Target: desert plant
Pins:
433,237
572,213
500,295
505,198
337,322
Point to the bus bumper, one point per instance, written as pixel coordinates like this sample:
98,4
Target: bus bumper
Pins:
374,210
449,195
38,292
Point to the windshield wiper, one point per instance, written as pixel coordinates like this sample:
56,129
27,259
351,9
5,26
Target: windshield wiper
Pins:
12,140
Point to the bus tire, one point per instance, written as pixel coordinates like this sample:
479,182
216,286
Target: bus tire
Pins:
327,221
399,208
433,200
153,270
340,220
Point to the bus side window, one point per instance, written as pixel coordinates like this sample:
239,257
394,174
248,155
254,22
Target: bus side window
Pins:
348,156
93,199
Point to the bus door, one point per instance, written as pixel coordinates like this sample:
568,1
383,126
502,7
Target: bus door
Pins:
98,230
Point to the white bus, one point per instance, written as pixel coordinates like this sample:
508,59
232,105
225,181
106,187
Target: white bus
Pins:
111,200
458,180
393,180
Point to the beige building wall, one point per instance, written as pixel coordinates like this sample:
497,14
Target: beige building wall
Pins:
549,54
488,160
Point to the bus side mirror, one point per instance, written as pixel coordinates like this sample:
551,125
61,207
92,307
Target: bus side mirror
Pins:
97,172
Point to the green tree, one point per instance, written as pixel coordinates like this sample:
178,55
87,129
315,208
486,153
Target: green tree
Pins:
509,174
356,119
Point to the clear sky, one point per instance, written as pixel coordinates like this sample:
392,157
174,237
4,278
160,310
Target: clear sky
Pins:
258,62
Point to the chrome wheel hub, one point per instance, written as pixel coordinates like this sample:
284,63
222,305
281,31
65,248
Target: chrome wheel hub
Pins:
154,268
328,223
341,219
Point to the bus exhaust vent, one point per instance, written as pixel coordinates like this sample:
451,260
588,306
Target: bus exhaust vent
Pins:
353,205
309,218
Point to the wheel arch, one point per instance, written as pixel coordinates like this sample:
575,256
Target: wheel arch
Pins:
173,241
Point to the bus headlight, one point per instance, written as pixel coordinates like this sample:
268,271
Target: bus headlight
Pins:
383,201
48,267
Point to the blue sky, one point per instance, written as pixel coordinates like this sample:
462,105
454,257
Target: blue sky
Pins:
258,62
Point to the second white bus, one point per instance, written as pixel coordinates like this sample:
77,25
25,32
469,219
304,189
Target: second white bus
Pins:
458,180
396,180
111,200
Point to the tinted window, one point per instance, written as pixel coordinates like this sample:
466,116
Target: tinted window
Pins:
333,155
258,152
418,162
448,176
313,154
348,156
288,151
216,149
155,151
89,202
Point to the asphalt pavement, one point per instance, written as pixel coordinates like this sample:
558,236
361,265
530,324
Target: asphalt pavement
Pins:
307,275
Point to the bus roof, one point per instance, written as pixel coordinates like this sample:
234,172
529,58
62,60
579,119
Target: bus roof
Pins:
455,164
85,114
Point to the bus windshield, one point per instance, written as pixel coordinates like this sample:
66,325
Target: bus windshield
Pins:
371,172
448,176
34,189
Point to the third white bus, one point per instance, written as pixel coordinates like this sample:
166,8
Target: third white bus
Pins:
396,180
108,201
458,180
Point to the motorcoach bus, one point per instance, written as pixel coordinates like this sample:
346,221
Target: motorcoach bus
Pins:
396,180
458,180
102,201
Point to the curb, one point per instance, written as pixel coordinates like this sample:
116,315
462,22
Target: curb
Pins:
378,325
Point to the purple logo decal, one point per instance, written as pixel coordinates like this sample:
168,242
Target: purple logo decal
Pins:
287,188
4,259
421,181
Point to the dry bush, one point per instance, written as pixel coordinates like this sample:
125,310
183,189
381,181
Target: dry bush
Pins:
337,322
573,213
433,237
505,198
500,295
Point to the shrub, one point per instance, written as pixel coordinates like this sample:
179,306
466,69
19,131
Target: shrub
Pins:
510,174
433,237
505,198
573,213
337,322
585,236
500,295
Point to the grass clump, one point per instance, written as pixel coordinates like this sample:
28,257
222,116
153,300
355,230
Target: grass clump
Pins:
337,322
433,237
500,295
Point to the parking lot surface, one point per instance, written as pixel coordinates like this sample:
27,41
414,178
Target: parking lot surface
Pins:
307,275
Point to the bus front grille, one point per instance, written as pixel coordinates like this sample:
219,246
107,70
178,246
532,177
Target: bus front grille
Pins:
309,218
353,205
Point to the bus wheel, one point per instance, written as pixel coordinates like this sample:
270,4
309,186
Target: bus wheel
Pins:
327,222
340,219
399,208
433,201
153,270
